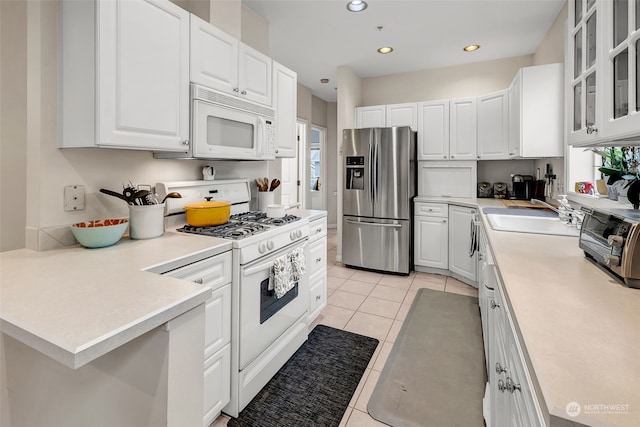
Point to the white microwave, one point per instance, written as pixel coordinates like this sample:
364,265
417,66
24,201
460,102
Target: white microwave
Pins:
223,127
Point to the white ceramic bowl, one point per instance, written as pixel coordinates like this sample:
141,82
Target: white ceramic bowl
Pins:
99,233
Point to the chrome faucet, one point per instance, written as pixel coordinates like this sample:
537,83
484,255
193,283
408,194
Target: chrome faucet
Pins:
553,208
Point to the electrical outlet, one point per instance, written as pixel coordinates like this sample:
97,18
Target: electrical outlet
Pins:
74,197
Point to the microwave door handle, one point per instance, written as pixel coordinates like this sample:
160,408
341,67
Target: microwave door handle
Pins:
260,135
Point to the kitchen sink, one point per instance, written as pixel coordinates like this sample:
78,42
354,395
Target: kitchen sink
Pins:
531,224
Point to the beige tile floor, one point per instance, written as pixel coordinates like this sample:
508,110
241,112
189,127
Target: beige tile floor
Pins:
375,305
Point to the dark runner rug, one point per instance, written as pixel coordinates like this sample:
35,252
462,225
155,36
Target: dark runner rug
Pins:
315,386
435,373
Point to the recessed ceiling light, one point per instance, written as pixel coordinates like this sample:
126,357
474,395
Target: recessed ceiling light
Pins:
357,5
385,50
471,47
324,80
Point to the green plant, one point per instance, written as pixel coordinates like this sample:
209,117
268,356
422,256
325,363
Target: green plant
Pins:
619,163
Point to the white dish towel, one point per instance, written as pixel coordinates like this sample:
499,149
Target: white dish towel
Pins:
286,271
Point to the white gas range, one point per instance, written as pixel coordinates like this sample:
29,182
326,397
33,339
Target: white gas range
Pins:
265,330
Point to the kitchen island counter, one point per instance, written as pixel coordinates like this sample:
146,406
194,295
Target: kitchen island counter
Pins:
77,304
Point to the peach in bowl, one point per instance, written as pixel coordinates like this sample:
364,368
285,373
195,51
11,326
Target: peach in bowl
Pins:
99,233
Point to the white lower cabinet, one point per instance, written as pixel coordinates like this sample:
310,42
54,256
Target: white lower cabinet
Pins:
317,267
461,261
513,399
431,235
214,272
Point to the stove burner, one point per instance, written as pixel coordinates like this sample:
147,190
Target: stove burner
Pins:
262,218
231,230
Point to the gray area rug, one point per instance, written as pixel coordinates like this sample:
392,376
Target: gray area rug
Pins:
315,386
435,374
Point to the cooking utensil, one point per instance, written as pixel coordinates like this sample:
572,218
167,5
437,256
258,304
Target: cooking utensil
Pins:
265,183
207,213
276,211
274,184
113,193
141,196
172,195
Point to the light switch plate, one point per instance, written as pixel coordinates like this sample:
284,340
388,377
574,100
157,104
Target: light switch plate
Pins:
74,197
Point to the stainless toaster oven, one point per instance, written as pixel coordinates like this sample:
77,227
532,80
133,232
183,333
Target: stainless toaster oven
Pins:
611,238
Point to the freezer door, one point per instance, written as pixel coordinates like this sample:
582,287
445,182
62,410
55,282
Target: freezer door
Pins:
393,171
383,245
357,150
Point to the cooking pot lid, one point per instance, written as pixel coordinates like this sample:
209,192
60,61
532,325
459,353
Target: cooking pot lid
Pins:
204,204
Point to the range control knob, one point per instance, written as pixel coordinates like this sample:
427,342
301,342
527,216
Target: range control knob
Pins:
298,233
615,241
262,247
270,244
612,260
292,235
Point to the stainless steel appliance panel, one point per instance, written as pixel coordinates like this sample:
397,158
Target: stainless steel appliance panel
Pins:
394,170
377,244
357,150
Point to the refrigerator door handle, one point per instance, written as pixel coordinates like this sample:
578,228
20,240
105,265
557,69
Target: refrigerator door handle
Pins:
374,168
377,224
371,177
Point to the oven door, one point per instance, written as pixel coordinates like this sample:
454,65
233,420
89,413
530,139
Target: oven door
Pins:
263,317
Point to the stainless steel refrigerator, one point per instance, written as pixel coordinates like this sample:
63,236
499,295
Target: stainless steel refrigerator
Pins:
380,183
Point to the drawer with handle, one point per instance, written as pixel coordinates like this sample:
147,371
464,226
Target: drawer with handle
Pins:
432,209
316,259
317,229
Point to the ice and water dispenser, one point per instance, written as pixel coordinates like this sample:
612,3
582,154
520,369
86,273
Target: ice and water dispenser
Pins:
355,173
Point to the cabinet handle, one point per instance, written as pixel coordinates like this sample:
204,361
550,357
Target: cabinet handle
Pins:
444,157
199,281
235,89
185,142
244,92
444,221
591,129
480,258
452,157
318,297
318,230
499,368
501,386
512,387
494,304
318,259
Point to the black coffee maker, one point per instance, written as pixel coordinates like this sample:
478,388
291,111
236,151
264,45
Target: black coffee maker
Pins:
523,187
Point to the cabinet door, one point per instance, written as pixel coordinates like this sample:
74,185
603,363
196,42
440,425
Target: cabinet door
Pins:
143,73
583,52
371,117
285,90
460,262
217,384
493,126
402,115
254,75
463,129
431,242
217,328
515,134
433,130
213,57
621,70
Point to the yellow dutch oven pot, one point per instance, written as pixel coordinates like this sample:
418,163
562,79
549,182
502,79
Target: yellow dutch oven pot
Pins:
207,213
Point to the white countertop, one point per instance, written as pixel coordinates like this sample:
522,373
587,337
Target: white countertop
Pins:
76,304
310,214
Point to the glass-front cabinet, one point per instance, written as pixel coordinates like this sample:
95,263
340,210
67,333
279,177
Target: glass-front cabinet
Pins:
603,56
621,72
583,52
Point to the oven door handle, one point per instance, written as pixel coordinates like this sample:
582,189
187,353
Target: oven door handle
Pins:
252,268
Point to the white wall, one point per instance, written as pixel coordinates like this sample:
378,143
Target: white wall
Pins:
48,169
332,166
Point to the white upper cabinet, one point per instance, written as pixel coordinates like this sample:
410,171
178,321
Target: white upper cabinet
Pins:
536,112
125,75
462,129
380,116
221,62
433,130
371,117
602,57
285,99
621,70
402,115
493,126
213,57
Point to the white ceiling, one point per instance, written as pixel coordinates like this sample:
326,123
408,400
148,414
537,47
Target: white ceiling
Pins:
315,37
